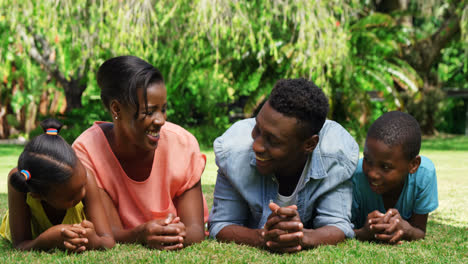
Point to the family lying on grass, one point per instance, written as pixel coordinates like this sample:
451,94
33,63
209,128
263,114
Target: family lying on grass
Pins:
288,179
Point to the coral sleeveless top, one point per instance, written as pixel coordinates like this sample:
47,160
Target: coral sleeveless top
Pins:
177,166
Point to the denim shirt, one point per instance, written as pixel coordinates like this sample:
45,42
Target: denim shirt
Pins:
242,194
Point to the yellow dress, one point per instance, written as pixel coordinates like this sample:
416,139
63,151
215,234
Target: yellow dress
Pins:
39,220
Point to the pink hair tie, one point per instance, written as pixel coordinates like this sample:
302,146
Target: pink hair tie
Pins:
27,175
52,131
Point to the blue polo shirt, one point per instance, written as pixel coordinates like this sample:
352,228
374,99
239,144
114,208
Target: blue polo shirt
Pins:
419,194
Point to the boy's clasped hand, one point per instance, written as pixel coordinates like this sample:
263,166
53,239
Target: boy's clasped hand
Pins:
388,227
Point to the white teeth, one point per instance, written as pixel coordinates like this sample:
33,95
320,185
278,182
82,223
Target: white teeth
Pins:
260,159
375,184
154,134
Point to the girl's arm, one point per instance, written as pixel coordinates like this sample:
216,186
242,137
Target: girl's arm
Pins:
190,210
20,225
96,214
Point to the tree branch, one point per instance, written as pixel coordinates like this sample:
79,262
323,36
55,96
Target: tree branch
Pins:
43,58
423,54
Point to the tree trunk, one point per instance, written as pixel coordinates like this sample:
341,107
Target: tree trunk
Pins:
73,87
73,92
389,6
422,55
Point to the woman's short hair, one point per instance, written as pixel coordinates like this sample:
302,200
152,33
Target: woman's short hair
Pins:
119,79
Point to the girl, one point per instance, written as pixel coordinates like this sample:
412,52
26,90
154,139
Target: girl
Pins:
50,196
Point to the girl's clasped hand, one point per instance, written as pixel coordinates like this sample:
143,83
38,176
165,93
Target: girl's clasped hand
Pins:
79,237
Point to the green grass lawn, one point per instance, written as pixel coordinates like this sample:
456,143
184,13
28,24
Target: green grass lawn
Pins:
446,238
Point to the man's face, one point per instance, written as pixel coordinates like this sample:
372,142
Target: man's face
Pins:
277,145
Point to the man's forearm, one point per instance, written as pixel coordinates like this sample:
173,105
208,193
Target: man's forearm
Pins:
241,235
326,235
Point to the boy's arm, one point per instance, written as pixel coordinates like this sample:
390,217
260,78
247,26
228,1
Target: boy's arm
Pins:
418,222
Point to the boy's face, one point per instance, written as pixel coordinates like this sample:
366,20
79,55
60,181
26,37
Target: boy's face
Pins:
385,167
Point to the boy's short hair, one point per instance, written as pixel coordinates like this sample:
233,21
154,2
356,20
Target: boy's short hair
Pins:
398,128
303,100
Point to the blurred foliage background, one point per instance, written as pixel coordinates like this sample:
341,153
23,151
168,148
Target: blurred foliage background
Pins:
221,58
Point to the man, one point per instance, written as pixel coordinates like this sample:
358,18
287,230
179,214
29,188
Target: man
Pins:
284,177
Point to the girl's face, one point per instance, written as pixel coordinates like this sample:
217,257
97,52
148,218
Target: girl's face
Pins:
144,131
69,193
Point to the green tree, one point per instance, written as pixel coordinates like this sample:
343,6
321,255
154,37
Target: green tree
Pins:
432,26
213,54
221,58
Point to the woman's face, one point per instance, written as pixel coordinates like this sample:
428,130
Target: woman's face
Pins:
144,131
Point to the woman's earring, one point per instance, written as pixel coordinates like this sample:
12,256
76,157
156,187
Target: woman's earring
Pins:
116,117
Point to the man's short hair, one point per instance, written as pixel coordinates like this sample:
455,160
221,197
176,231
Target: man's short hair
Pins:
398,128
302,99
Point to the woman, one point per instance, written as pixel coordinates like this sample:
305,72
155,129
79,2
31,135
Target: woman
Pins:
148,170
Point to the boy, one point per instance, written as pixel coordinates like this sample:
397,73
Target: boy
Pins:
394,188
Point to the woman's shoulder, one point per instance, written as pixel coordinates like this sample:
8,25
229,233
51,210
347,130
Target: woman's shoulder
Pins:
174,134
93,133
92,142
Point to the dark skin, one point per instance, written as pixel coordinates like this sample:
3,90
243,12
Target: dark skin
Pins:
92,234
134,148
280,150
386,168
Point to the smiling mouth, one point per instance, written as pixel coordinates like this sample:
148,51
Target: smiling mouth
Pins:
261,159
375,184
153,134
